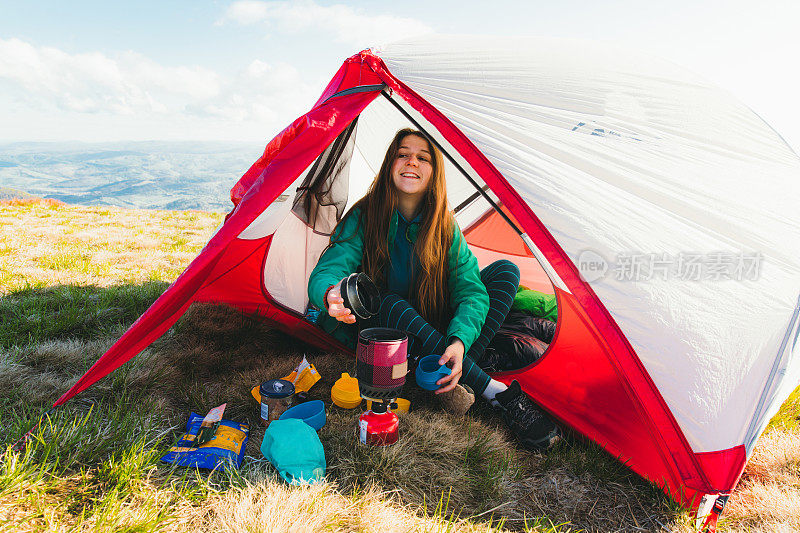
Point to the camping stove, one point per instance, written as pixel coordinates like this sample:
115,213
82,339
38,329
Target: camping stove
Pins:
379,426
381,368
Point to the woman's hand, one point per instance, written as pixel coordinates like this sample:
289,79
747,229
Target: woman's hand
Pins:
336,307
453,357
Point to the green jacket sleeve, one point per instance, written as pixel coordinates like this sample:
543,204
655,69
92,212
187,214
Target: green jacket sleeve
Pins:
339,260
469,300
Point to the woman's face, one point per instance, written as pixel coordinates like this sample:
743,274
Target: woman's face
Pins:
412,170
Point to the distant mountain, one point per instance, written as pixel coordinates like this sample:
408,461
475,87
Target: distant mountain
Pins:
150,175
6,193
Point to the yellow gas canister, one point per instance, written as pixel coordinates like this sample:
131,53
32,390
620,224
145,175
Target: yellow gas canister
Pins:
344,392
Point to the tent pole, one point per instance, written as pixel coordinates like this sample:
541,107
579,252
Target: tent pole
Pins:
472,198
455,163
357,89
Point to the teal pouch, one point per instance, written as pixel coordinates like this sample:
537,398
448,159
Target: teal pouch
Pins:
294,449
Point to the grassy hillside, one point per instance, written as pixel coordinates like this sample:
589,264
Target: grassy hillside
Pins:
72,279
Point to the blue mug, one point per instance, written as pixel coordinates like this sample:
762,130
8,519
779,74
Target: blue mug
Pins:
312,413
429,371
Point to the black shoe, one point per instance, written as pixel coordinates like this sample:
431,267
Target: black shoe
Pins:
532,427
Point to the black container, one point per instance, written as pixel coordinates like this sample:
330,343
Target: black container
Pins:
277,396
360,295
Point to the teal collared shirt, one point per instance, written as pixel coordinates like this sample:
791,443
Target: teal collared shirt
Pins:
468,299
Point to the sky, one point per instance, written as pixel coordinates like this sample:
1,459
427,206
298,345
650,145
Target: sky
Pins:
242,70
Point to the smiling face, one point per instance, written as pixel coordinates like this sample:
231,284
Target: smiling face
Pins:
412,169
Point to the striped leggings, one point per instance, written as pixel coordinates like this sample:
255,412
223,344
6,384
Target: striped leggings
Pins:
501,279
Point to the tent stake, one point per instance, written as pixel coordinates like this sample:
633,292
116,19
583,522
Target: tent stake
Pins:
22,442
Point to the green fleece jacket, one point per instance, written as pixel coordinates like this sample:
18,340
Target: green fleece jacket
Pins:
469,301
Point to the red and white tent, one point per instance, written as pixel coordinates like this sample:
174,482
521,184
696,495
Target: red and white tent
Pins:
677,337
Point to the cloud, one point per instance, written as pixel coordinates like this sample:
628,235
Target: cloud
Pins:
48,80
261,91
92,82
346,24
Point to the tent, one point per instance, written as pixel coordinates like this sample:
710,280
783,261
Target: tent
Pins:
661,212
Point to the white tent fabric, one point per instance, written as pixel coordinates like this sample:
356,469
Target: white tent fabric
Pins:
645,166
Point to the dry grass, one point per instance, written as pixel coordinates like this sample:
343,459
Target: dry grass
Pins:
264,504
51,202
43,243
768,495
273,506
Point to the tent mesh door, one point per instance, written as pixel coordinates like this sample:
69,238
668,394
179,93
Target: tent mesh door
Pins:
327,184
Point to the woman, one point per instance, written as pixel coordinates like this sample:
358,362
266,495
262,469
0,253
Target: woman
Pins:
404,237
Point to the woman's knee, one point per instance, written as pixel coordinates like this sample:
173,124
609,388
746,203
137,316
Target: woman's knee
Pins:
502,269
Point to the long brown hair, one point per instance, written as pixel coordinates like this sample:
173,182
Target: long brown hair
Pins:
428,292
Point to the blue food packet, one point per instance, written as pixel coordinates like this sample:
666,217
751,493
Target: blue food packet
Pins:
224,450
